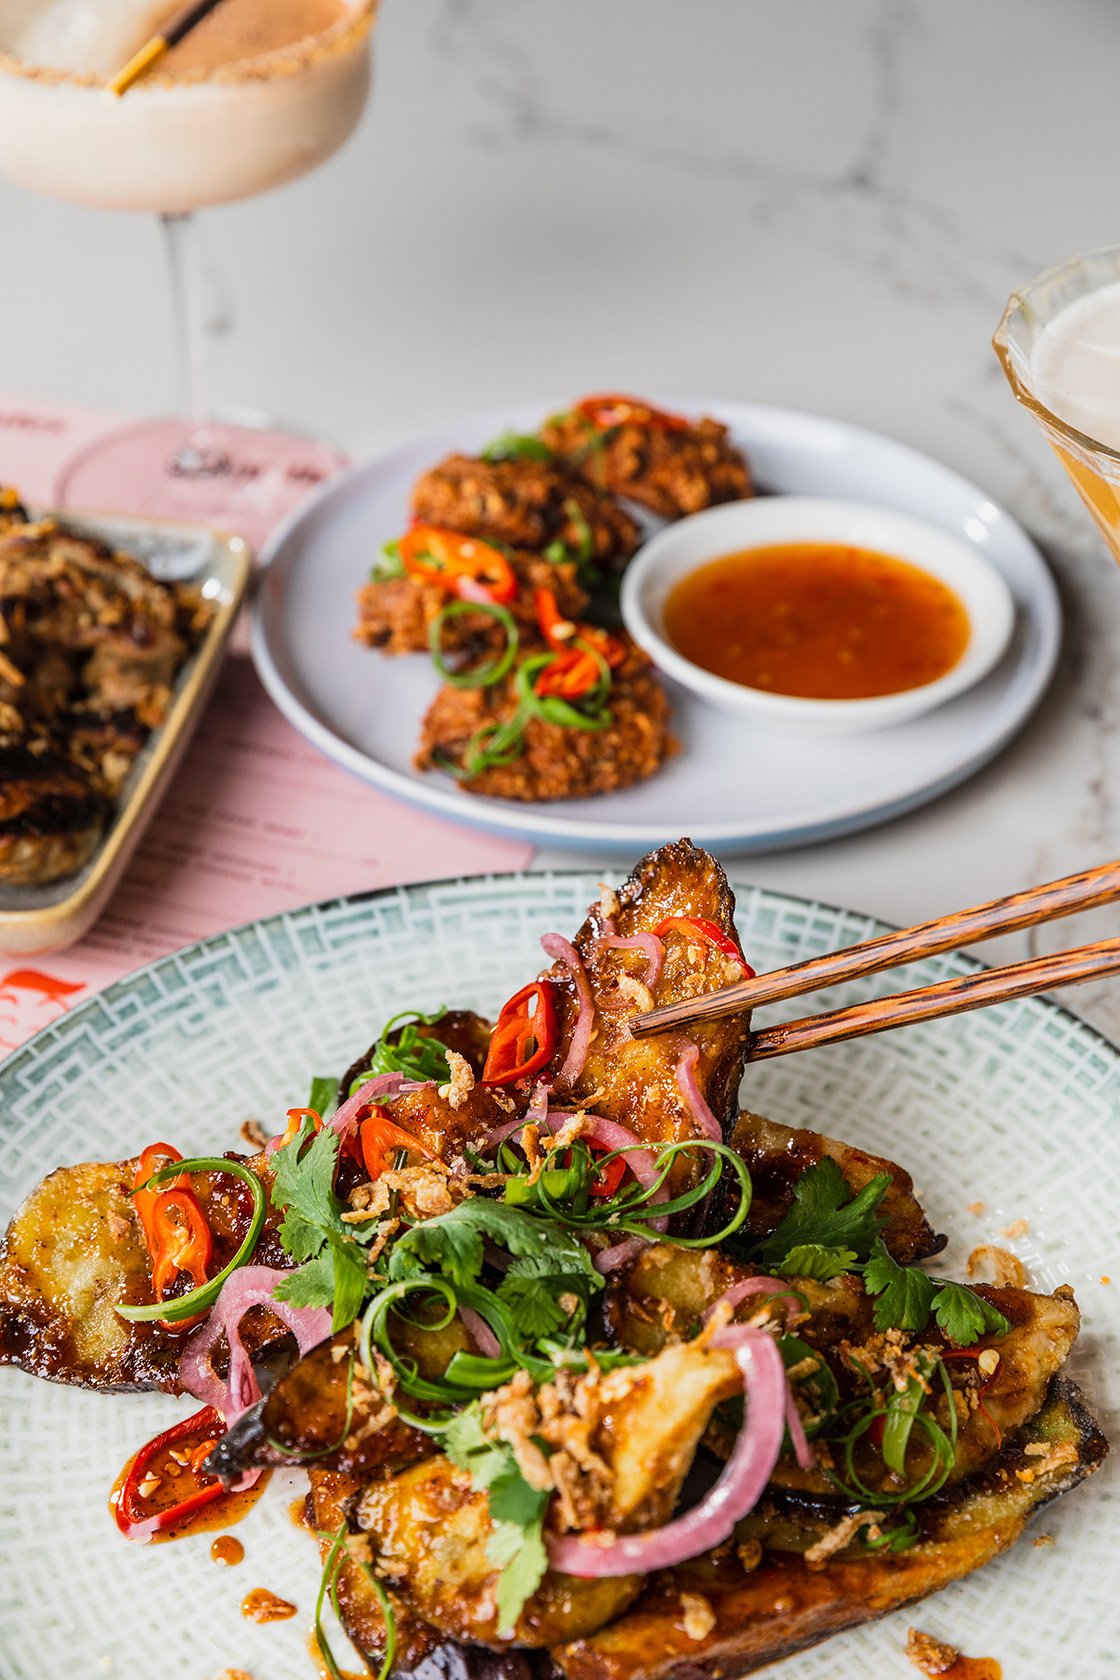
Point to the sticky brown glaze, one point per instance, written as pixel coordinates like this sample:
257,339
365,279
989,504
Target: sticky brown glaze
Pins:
634,1081
782,1606
778,1155
51,816
75,1250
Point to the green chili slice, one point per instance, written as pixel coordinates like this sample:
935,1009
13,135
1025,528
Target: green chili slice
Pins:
490,671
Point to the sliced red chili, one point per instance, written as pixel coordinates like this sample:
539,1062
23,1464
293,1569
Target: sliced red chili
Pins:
616,410
463,566
296,1118
183,1242
699,927
524,1038
175,1227
165,1483
575,671
609,1177
381,1138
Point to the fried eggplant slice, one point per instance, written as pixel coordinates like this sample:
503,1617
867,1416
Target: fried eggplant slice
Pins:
670,469
778,1155
396,613
666,1292
638,1430
555,761
325,1411
713,1617
638,1082
75,1249
527,504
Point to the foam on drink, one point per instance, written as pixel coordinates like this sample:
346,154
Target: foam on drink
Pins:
1075,365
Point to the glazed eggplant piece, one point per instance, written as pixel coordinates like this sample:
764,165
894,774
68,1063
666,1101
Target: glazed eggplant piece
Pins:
638,1082
75,1249
714,1617
778,1155
429,1526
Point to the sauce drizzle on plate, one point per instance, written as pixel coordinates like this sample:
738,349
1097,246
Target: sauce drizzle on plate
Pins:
819,620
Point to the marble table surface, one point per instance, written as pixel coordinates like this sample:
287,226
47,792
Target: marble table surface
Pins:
819,205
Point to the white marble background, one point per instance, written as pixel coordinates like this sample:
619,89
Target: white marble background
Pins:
817,203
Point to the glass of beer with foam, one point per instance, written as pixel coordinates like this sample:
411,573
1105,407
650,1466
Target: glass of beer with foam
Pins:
1059,343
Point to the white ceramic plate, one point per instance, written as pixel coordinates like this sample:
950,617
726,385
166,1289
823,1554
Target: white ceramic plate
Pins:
741,788
1014,1107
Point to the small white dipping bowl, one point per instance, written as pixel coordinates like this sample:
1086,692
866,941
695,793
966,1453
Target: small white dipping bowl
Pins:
692,542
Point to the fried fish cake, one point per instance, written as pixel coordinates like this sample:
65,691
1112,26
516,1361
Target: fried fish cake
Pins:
667,464
527,504
555,762
395,614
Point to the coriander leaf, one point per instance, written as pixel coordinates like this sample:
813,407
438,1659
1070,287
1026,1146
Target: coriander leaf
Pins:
453,1242
311,1285
904,1293
965,1316
517,1511
520,1553
304,1176
534,1284
825,1212
350,1279
816,1260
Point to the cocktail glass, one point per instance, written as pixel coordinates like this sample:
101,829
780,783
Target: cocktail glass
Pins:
1093,466
172,145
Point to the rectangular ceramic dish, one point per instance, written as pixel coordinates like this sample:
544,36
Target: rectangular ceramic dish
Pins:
36,920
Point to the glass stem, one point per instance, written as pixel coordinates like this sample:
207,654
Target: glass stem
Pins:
184,259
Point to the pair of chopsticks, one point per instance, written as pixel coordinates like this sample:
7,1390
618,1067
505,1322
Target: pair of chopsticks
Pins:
1086,891
169,35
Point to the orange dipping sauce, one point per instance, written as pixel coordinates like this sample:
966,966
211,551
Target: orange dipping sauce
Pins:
823,621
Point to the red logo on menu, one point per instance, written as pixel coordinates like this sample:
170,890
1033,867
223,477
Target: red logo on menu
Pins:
30,999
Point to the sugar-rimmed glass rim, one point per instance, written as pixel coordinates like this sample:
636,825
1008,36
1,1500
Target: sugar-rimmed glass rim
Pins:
339,39
1021,301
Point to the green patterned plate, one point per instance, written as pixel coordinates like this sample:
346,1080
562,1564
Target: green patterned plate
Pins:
1014,1107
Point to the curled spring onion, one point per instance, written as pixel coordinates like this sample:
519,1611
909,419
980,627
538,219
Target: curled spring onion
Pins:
944,1449
492,745
491,670
629,1210
328,1587
202,1299
550,708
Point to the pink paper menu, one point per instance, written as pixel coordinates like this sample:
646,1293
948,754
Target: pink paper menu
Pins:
256,820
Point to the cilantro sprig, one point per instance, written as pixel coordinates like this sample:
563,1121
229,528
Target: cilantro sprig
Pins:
331,1268
827,1217
906,1298
829,1230
517,1512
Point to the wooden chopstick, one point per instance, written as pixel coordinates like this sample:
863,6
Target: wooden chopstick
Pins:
169,35
1084,891
947,997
